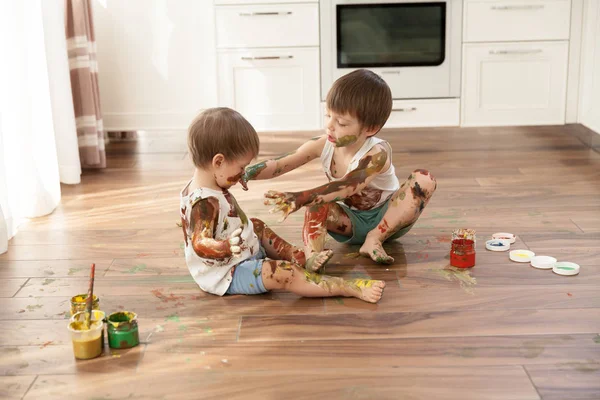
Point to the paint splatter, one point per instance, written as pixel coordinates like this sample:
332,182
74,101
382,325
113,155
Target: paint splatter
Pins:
172,318
569,294
182,328
159,328
207,329
47,281
597,339
21,311
46,344
339,301
49,272
140,255
352,255
256,272
460,275
73,271
179,224
164,298
34,307
136,269
187,360
443,239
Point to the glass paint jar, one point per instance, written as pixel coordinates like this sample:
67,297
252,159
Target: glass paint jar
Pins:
87,342
78,303
122,330
462,251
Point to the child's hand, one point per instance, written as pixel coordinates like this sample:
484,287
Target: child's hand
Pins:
234,241
244,180
284,202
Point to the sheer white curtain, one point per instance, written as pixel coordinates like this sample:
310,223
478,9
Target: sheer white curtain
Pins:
38,140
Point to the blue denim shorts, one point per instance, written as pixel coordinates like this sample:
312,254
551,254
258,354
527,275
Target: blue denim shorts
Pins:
247,276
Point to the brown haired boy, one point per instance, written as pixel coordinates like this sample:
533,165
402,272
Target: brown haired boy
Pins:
364,202
224,250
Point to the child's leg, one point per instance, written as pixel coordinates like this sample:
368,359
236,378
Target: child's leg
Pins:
278,274
318,219
278,249
405,208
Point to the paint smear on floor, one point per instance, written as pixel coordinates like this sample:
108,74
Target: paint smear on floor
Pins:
460,275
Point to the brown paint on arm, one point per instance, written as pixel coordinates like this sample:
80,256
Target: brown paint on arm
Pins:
203,219
354,182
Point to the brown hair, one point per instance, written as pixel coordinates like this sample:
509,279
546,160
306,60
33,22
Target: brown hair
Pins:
221,130
364,95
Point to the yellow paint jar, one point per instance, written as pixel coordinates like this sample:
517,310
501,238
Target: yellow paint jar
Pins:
97,315
87,343
78,303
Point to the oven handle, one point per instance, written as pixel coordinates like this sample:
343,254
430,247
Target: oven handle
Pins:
519,7
410,109
258,14
267,58
532,51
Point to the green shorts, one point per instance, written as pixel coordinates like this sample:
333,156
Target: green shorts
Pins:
364,222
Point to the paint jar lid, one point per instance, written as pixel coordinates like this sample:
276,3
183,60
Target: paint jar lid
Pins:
497,245
543,262
521,255
565,268
505,236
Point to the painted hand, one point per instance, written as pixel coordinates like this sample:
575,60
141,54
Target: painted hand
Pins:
284,202
234,242
244,180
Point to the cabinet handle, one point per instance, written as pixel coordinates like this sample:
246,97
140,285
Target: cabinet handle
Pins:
411,109
258,14
267,58
519,7
532,51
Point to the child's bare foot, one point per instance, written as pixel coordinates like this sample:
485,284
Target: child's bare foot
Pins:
369,290
373,248
317,260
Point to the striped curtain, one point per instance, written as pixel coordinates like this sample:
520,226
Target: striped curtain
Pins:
81,45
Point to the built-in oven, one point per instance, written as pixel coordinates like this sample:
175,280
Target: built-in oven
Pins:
415,45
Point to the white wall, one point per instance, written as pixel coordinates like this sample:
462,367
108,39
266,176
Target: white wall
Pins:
589,88
156,60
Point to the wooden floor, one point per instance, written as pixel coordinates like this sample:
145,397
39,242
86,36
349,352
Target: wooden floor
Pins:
515,333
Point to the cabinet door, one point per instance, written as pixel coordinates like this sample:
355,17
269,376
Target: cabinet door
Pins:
514,83
275,89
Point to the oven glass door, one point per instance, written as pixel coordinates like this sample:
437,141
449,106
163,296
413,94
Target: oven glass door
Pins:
390,35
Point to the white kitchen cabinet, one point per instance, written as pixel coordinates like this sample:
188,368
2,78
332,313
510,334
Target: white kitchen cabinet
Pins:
268,62
514,83
275,89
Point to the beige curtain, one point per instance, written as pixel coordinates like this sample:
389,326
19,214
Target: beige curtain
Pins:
81,46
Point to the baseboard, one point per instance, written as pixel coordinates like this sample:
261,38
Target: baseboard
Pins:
587,136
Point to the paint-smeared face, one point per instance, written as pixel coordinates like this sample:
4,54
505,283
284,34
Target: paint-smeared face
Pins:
343,129
228,173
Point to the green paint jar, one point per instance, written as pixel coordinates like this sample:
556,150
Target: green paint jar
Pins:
123,330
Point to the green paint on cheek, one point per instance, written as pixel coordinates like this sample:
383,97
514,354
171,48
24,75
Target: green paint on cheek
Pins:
346,140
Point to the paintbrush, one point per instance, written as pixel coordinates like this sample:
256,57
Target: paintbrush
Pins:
90,298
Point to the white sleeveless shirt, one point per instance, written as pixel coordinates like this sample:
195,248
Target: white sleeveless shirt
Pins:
214,276
386,181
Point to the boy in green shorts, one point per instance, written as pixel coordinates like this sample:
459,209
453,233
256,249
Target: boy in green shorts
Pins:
363,203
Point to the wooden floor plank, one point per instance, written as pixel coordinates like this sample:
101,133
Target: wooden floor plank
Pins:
568,381
15,387
419,324
506,383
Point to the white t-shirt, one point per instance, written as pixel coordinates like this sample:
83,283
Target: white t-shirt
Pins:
385,181
214,276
